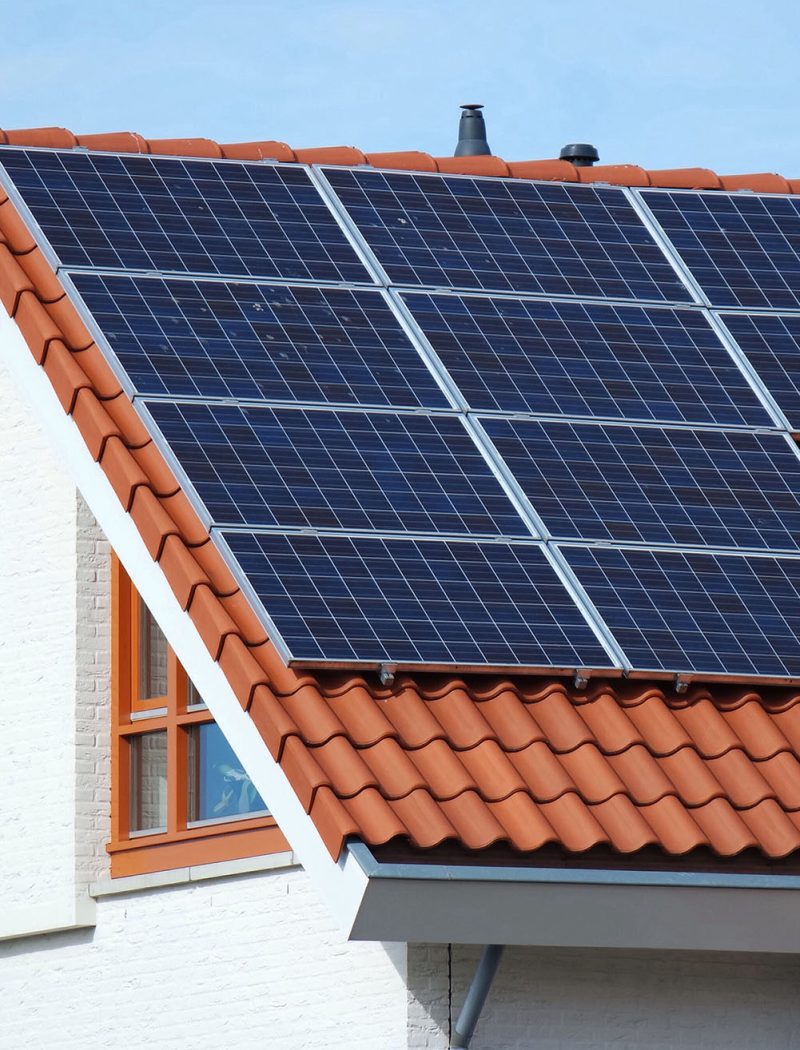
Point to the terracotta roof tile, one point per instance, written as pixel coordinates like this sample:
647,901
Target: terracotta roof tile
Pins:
525,762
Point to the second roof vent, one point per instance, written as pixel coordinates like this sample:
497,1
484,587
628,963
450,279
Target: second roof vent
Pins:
472,133
581,154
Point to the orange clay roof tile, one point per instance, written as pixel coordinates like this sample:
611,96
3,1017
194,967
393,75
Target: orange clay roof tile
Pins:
478,761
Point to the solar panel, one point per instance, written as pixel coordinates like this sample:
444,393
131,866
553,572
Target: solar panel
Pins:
586,359
113,211
742,249
506,235
697,613
320,469
186,338
405,601
771,343
656,486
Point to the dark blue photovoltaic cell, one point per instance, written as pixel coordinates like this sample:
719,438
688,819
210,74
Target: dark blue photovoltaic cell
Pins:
742,249
416,601
191,216
506,235
258,342
655,486
584,359
771,343
701,613
320,469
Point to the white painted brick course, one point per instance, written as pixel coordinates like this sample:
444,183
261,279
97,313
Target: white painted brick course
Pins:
242,962
569,999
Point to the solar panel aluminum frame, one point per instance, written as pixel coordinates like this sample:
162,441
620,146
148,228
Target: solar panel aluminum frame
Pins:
728,343
509,489
682,679
16,198
96,331
384,667
549,537
713,314
378,268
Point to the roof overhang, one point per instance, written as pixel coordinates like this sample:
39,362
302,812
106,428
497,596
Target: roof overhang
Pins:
580,908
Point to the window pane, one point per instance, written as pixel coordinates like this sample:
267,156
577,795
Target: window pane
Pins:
219,788
152,656
193,698
149,782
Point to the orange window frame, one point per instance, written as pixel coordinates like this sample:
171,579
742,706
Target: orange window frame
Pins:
179,845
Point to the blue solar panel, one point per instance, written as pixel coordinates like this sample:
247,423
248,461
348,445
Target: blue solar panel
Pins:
189,338
320,469
656,486
416,601
771,343
507,235
742,249
192,216
697,613
585,359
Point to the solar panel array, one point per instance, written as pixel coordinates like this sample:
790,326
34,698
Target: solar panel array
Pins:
449,421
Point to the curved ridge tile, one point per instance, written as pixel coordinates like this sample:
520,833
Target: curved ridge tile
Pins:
757,731
491,770
690,777
393,769
782,773
740,779
776,835
444,775
509,721
723,828
561,724
609,724
593,775
522,822
461,719
660,730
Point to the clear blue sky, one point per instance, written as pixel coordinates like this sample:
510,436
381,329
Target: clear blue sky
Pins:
677,83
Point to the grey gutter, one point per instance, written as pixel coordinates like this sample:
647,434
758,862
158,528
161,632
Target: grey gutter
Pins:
375,869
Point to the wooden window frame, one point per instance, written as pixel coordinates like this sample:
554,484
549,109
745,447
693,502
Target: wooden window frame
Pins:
180,845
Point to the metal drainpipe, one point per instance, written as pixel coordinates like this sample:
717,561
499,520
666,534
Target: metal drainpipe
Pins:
476,996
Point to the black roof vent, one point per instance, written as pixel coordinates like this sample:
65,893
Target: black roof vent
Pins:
472,133
581,154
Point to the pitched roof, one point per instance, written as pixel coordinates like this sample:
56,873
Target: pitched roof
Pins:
476,761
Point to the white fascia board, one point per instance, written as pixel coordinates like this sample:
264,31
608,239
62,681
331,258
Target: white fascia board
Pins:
341,884
580,915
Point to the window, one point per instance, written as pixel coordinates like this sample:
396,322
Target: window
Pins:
180,796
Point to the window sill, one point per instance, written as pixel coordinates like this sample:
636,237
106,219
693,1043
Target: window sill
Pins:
194,873
195,847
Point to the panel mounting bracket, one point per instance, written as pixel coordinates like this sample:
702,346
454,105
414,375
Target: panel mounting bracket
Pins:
581,679
681,683
386,673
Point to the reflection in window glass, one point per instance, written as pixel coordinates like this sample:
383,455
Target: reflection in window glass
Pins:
219,788
149,782
152,656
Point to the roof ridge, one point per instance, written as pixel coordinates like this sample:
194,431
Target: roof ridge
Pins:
547,169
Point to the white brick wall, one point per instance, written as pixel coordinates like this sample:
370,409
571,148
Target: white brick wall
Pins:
37,671
559,999
237,963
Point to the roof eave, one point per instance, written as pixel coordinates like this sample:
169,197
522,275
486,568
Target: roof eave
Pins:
550,907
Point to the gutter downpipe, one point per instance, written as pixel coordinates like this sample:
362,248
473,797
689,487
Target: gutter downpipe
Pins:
476,996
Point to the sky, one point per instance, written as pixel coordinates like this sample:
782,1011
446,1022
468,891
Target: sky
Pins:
680,84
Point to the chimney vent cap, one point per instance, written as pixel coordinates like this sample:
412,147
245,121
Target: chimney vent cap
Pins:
472,132
581,154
